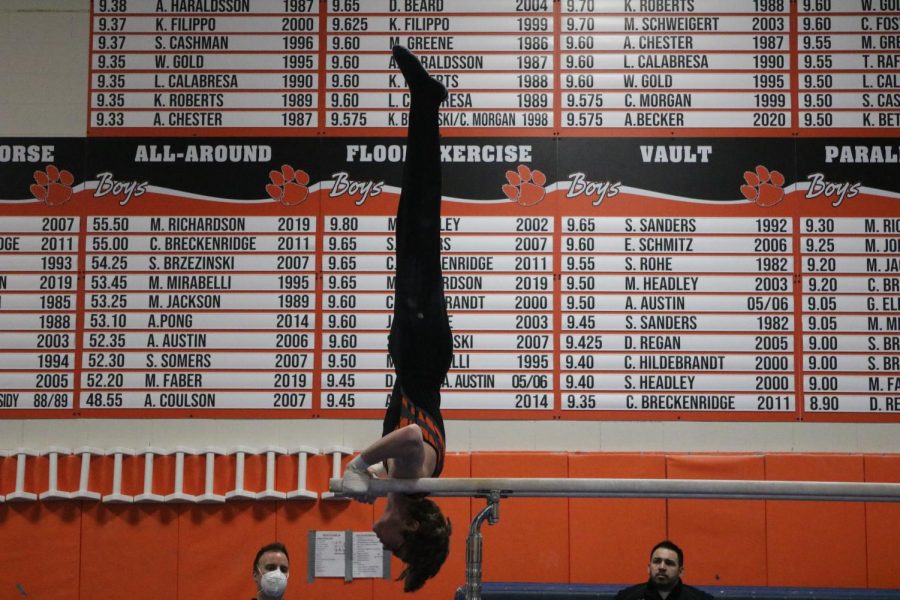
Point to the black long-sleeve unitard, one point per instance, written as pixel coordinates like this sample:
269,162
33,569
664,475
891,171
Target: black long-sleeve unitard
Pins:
420,342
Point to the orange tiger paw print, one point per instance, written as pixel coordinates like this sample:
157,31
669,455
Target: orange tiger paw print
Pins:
764,187
525,187
52,186
289,185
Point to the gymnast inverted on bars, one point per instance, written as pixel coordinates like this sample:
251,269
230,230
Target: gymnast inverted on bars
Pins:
420,344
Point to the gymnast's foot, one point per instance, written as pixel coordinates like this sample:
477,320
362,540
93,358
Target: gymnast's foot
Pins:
417,78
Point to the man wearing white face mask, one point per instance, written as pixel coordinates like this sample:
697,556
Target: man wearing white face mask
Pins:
271,568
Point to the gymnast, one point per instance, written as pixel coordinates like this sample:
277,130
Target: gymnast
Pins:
420,344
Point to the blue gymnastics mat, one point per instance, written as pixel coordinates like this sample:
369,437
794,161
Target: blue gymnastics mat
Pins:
551,591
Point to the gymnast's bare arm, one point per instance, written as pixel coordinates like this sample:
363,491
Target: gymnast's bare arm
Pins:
404,452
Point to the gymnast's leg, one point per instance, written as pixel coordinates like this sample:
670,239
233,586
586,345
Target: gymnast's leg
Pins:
420,341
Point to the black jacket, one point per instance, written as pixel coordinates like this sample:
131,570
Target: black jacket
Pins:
647,591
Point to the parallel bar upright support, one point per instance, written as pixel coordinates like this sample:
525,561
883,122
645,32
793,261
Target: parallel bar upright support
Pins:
474,554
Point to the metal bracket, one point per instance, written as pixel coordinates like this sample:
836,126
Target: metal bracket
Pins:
474,554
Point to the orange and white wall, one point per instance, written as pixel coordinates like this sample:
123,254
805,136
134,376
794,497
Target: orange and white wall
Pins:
93,550
90,550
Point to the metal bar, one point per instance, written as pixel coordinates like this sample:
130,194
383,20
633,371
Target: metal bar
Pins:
637,488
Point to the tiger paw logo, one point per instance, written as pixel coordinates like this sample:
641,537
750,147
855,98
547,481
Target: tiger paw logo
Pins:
764,187
52,186
525,187
289,185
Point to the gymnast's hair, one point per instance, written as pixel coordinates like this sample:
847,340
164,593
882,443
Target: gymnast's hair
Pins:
425,548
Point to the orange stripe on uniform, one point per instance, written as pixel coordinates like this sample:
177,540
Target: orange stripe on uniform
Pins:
410,414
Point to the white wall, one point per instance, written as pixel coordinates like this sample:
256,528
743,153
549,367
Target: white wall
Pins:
43,92
462,436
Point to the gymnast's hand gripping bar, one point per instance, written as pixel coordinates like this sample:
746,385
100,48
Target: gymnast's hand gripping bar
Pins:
636,488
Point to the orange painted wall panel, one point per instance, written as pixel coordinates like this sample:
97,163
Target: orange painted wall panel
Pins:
609,538
129,551
292,524
883,525
132,475
294,519
101,475
68,472
332,515
724,541
7,474
221,539
39,550
255,472
163,474
194,474
821,544
531,541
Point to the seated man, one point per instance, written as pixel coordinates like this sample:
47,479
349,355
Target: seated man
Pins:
420,344
665,569
270,571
